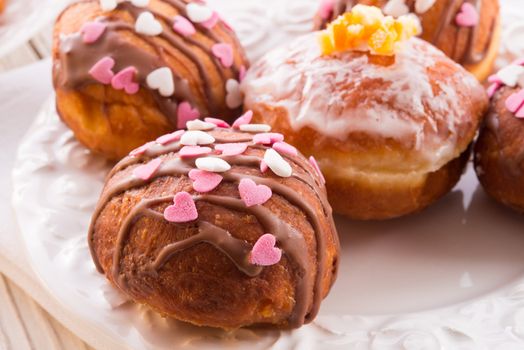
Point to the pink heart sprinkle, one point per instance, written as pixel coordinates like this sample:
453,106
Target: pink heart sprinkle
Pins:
264,252
520,112
263,166
285,148
326,9
468,15
231,149
314,163
145,171
92,31
204,181
102,70
268,138
494,79
242,73
244,119
183,209
210,23
193,151
224,52
140,150
174,136
183,26
186,113
123,80
253,194
515,101
218,122
492,89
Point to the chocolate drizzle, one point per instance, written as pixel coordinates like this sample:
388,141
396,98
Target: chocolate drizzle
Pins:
76,58
447,18
289,239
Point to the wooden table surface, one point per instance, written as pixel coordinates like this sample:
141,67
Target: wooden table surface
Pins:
23,323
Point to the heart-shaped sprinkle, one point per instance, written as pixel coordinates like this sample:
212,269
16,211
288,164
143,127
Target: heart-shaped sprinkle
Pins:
253,194
285,148
194,151
515,101
396,8
263,166
218,122
210,23
244,119
123,80
174,136
422,6
494,78
140,150
255,128
198,124
92,31
186,113
231,149
224,52
326,9
212,164
147,24
492,89
204,181
108,5
510,75
183,26
314,163
264,252
102,70
277,164
268,138
196,137
140,3
161,79
145,171
198,13
183,209
467,16
242,73
234,97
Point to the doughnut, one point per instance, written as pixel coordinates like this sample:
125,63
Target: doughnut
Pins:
2,5
468,31
218,226
127,72
391,132
499,150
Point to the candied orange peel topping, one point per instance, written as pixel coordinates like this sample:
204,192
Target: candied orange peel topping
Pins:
366,28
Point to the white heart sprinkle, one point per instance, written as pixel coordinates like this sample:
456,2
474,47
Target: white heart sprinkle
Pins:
422,6
215,165
255,127
147,24
196,137
161,79
510,75
140,3
234,96
108,5
198,13
277,164
198,124
396,8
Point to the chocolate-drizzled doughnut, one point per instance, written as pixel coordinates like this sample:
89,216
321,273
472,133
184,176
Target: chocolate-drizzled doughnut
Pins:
125,73
218,226
499,150
466,30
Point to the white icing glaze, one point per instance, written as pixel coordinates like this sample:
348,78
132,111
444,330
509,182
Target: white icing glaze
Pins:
314,90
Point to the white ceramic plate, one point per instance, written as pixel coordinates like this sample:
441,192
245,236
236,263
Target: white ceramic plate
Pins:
22,19
449,278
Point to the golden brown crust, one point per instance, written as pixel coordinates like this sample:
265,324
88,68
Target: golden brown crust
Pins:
499,153
201,284
111,122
